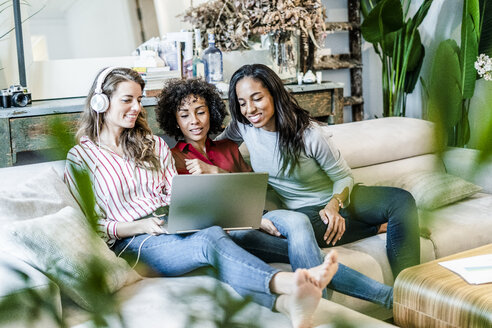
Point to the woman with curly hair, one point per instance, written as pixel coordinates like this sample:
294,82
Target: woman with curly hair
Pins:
201,113
131,172
192,109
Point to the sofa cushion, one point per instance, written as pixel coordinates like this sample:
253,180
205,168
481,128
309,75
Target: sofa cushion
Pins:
383,140
432,189
62,242
466,163
12,176
18,280
155,301
460,226
375,174
34,196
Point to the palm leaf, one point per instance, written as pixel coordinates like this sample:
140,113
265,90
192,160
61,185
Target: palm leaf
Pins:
386,17
469,47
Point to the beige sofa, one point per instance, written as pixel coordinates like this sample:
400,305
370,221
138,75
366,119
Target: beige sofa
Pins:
402,152
35,205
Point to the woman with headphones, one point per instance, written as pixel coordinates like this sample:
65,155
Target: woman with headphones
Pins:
131,172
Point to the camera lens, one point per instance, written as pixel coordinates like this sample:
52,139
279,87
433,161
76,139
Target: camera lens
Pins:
5,98
20,100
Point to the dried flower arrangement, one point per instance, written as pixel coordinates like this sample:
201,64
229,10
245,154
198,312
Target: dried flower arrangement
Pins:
235,22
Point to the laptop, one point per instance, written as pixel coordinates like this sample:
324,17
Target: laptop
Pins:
232,201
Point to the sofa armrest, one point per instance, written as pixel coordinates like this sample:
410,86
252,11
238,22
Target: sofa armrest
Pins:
463,162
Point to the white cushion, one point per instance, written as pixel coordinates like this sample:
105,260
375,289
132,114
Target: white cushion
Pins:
63,242
12,176
34,196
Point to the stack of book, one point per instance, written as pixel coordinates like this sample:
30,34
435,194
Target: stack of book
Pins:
155,77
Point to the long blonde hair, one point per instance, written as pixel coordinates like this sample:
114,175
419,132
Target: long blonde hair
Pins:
137,142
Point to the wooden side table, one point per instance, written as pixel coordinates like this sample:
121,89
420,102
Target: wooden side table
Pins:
429,295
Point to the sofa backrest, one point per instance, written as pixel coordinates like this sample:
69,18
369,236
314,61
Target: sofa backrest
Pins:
383,140
384,149
12,176
377,150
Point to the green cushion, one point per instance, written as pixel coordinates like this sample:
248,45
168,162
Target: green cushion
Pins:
432,189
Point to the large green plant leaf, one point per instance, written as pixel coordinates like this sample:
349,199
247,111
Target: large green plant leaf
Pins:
473,10
416,53
367,5
485,45
413,76
389,41
445,101
420,14
386,17
469,46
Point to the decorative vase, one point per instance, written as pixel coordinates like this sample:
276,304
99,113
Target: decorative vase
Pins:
284,52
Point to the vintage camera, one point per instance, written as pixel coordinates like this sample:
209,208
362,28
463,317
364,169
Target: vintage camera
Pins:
16,96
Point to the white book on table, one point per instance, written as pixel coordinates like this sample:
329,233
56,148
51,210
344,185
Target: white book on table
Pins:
474,270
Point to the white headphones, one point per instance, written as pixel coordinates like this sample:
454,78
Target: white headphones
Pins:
99,101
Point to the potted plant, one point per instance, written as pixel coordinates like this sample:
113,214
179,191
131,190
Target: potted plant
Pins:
397,42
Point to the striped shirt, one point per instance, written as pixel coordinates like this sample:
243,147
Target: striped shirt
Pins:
123,192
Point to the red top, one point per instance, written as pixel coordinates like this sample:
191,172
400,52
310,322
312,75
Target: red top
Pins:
223,153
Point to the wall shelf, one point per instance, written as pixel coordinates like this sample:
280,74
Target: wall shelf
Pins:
351,61
340,26
336,62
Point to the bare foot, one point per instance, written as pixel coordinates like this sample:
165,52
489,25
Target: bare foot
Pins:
304,299
383,228
323,273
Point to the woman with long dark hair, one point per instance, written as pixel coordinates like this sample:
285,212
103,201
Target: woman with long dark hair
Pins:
308,172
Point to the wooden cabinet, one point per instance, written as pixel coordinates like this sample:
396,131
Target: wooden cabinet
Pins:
29,129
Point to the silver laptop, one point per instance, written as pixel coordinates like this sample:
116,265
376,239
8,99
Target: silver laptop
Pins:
232,201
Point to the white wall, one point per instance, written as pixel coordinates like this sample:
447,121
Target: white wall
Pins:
9,73
78,29
101,28
55,31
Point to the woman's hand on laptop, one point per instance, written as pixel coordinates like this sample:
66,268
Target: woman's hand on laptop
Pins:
268,226
152,226
196,166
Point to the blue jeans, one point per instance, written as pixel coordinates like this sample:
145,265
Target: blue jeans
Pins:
370,207
174,255
299,248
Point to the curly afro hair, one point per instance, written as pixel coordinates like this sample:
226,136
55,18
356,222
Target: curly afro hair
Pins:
177,90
